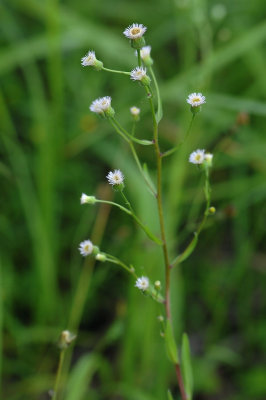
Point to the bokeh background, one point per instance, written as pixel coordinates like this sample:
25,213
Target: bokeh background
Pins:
53,149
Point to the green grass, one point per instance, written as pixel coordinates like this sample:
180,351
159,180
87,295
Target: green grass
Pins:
53,149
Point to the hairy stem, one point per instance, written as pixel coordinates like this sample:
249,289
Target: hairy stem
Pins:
162,228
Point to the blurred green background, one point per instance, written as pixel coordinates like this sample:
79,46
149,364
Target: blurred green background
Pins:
53,149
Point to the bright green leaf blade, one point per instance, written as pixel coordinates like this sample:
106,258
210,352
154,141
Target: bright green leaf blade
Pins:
170,343
81,376
186,367
169,395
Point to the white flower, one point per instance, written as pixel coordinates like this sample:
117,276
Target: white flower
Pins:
115,178
134,110
196,99
100,105
197,157
138,74
145,52
208,157
142,283
89,59
135,31
85,248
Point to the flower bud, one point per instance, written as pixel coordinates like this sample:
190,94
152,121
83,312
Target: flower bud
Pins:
65,339
212,210
157,285
101,257
87,199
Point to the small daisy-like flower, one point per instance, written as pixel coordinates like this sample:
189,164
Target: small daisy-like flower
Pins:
99,106
197,157
115,178
196,99
145,52
89,59
134,111
138,74
86,248
142,283
135,31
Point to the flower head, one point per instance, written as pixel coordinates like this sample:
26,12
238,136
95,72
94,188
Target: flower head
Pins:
102,106
86,248
115,178
142,283
89,59
135,31
138,73
134,111
196,99
197,157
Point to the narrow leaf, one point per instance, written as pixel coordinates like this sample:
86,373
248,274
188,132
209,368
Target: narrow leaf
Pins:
186,366
169,395
186,253
171,347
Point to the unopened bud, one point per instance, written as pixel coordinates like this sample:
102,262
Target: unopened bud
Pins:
157,285
65,339
101,257
87,199
212,210
160,318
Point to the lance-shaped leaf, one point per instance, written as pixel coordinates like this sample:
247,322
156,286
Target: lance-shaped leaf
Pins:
170,343
186,367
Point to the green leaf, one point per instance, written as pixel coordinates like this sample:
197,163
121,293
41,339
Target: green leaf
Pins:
81,376
170,343
169,395
186,367
186,253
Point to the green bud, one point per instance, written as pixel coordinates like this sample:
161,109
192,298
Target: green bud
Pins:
137,43
212,210
98,65
101,257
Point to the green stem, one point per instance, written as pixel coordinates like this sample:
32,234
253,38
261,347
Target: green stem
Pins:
137,220
58,374
149,184
192,245
113,123
139,58
144,142
171,151
163,236
126,201
115,71
115,260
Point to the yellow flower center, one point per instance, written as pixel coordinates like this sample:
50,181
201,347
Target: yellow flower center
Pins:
196,99
198,157
135,31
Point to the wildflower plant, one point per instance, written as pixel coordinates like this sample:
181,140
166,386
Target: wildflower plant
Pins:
144,74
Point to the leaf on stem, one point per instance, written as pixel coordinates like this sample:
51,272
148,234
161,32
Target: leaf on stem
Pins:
186,253
186,366
170,343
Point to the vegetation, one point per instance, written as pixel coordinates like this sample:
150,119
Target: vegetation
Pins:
53,149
